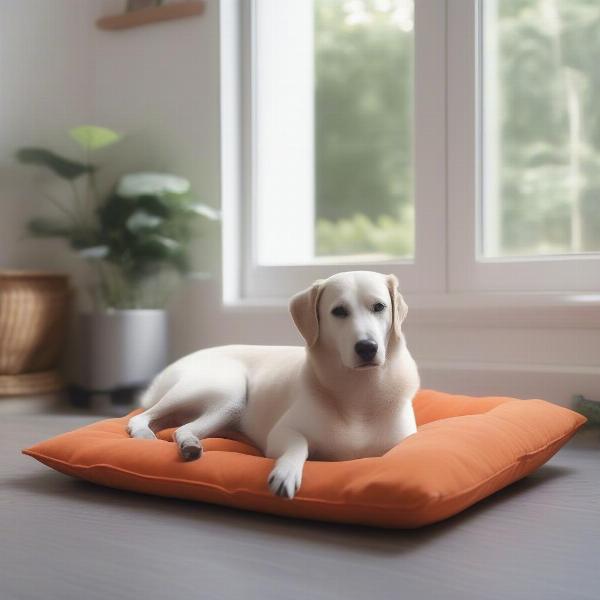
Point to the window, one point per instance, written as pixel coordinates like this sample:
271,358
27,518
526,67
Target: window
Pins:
542,127
508,228
331,119
364,196
339,125
453,143
331,101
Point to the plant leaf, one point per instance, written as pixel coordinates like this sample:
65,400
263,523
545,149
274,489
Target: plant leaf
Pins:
43,227
115,211
203,210
94,252
90,137
141,220
84,237
158,247
63,167
151,184
155,205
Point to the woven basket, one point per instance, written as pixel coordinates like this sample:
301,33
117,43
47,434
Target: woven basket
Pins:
33,326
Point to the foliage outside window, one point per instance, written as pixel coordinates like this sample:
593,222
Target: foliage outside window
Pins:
545,72
363,128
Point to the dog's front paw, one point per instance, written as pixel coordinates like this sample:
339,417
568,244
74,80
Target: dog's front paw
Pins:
285,479
138,428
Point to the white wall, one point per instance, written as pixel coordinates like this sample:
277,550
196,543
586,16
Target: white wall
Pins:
45,75
160,86
157,85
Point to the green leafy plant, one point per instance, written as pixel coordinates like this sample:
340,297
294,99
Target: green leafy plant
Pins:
136,238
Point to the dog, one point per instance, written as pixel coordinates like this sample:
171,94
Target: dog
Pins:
348,394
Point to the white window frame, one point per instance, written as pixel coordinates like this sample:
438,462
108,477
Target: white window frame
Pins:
448,175
468,269
425,272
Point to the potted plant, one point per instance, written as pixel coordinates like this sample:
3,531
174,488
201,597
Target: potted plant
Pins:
135,241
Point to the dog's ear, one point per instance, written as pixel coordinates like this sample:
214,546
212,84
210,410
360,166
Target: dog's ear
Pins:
399,308
304,307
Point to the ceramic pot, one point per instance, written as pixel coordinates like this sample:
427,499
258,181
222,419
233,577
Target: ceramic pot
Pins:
121,349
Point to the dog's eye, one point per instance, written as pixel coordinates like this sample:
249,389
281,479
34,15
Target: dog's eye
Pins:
378,307
340,312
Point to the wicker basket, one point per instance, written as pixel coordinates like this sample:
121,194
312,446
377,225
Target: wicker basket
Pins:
33,326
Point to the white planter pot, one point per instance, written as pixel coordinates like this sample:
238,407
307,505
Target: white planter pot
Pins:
121,348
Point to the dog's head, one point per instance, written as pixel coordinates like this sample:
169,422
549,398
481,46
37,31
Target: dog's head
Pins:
355,314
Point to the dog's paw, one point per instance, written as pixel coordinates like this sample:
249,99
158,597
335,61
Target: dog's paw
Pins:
140,430
191,449
285,480
145,433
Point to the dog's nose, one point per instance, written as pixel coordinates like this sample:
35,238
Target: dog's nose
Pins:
366,349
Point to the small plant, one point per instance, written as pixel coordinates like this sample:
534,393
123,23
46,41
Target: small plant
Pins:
136,238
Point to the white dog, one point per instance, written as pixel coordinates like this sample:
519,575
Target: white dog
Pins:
347,395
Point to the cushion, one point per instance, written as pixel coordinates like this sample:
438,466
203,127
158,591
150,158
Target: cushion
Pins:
464,450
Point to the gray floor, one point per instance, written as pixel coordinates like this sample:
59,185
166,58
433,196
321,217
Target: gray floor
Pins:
62,539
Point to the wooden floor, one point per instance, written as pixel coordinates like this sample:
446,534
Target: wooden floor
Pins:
62,539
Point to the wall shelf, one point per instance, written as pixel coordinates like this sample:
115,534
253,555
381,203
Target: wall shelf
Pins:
155,14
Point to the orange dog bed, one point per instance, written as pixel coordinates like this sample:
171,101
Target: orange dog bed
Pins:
465,449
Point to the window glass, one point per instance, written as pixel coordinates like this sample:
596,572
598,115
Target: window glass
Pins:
541,127
334,113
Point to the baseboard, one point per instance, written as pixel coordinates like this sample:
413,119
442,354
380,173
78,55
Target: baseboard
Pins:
554,383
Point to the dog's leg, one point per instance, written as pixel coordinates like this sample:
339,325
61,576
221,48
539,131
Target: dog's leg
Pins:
408,422
188,437
139,427
290,448
184,396
217,392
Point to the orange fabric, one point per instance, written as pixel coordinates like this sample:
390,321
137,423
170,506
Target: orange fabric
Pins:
465,449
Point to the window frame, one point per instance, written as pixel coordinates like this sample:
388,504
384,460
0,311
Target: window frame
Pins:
447,141
425,272
468,269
